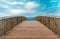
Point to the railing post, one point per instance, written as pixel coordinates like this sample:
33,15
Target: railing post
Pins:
2,27
58,27
49,22
55,25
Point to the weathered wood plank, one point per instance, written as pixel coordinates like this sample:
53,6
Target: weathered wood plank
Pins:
30,30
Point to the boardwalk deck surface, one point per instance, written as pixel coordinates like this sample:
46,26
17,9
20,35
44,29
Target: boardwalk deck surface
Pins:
30,30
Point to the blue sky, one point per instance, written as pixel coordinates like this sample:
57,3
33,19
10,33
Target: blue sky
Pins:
29,8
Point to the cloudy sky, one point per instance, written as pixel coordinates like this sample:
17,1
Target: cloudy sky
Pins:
29,7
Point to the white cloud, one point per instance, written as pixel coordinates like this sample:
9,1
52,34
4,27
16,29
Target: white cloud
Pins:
31,5
21,12
6,1
17,3
4,6
16,11
27,9
4,15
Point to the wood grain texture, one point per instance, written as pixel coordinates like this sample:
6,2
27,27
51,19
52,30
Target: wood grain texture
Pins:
30,30
54,25
49,22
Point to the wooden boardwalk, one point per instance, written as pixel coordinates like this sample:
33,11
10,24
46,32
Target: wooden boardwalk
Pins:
30,30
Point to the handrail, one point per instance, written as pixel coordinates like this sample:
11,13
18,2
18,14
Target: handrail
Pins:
52,22
7,23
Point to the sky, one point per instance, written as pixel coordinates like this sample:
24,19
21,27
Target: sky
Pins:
29,8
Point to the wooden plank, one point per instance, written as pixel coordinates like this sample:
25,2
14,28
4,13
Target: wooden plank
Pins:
30,30
53,25
58,27
2,28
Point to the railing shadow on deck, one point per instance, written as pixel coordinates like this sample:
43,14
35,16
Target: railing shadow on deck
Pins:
53,23
7,23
